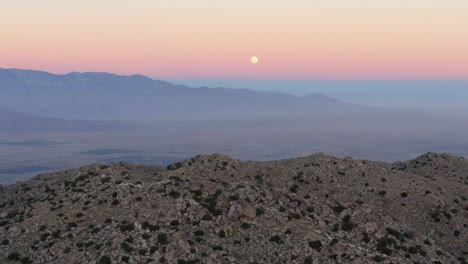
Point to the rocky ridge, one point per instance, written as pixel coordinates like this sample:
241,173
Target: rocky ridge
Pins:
215,209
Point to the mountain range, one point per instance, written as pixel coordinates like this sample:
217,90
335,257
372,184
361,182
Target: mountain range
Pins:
115,97
19,122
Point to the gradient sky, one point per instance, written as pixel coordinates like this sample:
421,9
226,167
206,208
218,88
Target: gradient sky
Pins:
294,39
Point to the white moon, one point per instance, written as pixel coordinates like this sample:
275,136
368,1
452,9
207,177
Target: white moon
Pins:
254,59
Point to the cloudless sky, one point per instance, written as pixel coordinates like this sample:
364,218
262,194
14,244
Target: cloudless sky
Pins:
294,39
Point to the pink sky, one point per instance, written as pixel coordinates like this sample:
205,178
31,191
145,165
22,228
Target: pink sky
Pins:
296,39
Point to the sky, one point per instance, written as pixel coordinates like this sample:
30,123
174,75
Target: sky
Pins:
208,39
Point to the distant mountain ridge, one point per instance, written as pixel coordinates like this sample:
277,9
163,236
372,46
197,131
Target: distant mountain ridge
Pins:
18,122
110,96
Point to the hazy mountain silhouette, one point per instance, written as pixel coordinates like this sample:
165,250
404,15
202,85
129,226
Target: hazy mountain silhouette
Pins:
110,96
18,122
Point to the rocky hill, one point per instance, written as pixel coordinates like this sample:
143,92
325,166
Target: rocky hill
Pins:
215,209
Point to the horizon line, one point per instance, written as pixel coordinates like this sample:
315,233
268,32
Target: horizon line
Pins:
260,79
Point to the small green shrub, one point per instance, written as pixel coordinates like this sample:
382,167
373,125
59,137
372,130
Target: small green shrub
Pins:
26,260
162,238
174,194
199,233
222,234
276,239
105,260
106,180
14,256
317,245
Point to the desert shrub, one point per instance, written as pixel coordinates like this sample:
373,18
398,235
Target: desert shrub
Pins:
145,225
276,239
105,260
45,236
347,225
366,237
56,233
338,209
182,261
197,193
207,217
14,256
294,188
435,217
317,245
395,233
408,235
199,233
218,247
26,260
162,238
153,228
260,211
153,250
174,194
174,166
384,243
378,258
105,180
126,247
222,234
126,227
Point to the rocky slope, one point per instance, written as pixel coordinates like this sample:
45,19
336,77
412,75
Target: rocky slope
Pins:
215,209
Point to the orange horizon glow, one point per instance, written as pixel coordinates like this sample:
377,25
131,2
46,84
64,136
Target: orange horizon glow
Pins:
334,39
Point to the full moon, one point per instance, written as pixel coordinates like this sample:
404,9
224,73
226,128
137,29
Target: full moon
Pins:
254,59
